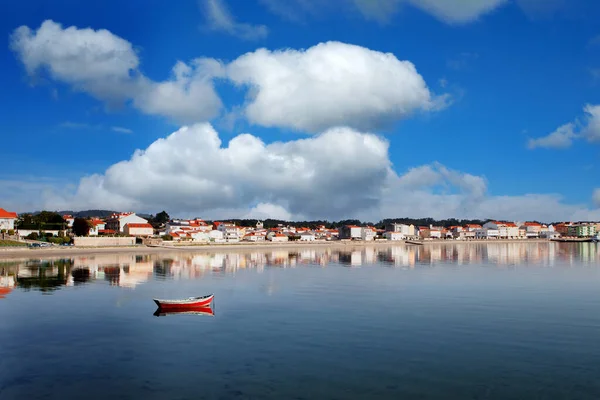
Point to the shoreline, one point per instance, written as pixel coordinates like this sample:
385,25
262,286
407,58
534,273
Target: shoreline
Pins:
28,253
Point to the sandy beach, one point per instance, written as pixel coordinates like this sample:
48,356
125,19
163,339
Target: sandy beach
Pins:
52,252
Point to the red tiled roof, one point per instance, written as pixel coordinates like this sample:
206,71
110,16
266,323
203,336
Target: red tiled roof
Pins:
531,224
132,225
7,214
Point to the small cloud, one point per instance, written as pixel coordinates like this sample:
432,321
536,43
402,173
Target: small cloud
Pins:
443,83
587,128
218,18
120,129
561,138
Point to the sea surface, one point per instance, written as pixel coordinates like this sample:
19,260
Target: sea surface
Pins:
467,321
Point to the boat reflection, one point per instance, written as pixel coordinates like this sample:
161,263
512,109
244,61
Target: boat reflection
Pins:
206,310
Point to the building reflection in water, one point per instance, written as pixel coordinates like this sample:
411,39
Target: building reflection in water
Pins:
130,270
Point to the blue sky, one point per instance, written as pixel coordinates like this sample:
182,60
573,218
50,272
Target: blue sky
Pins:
467,108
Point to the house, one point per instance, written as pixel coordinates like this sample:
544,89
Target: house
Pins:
487,233
352,232
7,219
117,222
532,229
279,237
138,229
406,230
231,233
368,233
176,225
506,230
430,232
472,227
563,228
216,236
463,235
97,225
254,237
307,236
69,220
393,235
199,236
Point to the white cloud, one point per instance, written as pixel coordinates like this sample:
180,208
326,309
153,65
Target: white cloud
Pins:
120,129
219,18
330,84
457,11
438,192
188,97
106,66
561,138
263,211
586,128
382,11
596,197
335,175
591,128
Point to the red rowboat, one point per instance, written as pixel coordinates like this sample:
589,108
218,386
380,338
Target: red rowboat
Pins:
190,302
185,311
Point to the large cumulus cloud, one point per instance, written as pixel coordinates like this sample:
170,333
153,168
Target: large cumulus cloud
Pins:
334,173
107,67
330,84
340,173
327,85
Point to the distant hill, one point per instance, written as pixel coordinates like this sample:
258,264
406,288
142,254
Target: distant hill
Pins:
88,213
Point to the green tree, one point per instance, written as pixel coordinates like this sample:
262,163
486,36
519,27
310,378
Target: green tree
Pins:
32,236
81,227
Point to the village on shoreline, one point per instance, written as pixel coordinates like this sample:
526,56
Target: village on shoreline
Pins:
127,229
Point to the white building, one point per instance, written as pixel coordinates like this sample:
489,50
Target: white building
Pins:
279,237
254,237
7,219
307,237
350,232
406,230
69,219
368,233
487,233
506,230
532,229
135,229
117,222
216,236
390,235
177,225
97,225
231,233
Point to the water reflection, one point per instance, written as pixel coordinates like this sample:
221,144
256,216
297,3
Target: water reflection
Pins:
206,311
130,270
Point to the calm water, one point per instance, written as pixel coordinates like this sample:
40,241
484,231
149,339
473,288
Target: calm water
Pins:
498,321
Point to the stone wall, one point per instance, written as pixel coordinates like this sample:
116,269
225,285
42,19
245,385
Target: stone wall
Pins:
26,232
103,241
